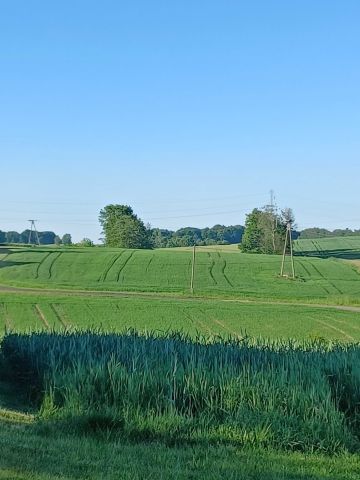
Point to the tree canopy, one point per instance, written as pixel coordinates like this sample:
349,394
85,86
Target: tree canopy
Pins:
265,230
188,236
122,228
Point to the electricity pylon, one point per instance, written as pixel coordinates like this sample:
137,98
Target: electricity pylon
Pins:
33,229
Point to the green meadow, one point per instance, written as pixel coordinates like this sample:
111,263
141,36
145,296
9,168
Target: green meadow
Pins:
24,313
111,365
218,272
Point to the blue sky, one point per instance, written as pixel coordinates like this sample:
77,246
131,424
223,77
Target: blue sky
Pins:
190,111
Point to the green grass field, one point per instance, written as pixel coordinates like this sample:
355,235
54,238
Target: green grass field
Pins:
208,317
31,453
347,248
235,295
218,272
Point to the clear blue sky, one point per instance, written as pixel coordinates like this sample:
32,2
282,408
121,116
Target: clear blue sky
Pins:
190,111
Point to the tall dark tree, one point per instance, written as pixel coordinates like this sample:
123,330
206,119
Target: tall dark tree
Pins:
47,238
251,240
66,239
122,228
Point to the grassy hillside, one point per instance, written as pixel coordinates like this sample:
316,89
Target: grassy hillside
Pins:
23,313
217,272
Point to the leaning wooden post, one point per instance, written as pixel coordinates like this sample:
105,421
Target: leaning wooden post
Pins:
193,270
284,252
291,253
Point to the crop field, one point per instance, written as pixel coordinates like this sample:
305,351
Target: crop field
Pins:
111,352
24,313
347,248
217,272
246,392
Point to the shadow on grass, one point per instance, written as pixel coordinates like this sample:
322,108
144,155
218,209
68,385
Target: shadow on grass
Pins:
339,253
28,454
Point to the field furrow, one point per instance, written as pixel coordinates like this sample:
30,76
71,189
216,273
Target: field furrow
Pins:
56,256
41,263
41,316
338,330
123,266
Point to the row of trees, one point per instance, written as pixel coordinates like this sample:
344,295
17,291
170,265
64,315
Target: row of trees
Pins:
185,237
323,232
122,228
45,238
264,232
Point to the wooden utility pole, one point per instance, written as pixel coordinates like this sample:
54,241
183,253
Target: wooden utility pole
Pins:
288,236
193,270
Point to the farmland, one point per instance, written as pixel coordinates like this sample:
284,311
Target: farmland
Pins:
220,272
347,248
172,389
208,317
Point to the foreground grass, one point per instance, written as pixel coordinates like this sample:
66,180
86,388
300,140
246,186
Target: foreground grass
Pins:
289,395
29,452
39,448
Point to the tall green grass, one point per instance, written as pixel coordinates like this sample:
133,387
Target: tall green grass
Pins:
299,396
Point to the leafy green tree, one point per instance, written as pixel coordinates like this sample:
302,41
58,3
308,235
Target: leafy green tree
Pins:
66,239
12,237
2,237
47,238
265,231
251,240
86,242
122,228
57,240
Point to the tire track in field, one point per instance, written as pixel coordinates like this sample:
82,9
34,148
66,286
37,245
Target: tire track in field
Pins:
224,274
40,263
212,265
196,320
110,263
326,290
124,265
91,313
218,322
346,335
64,316
149,263
57,255
7,321
329,281
41,316
316,249
58,316
305,268
343,322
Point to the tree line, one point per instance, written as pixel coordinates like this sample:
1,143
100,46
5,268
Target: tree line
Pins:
123,228
264,232
323,232
45,238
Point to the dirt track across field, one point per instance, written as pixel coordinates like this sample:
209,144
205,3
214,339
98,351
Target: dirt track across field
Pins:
165,296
